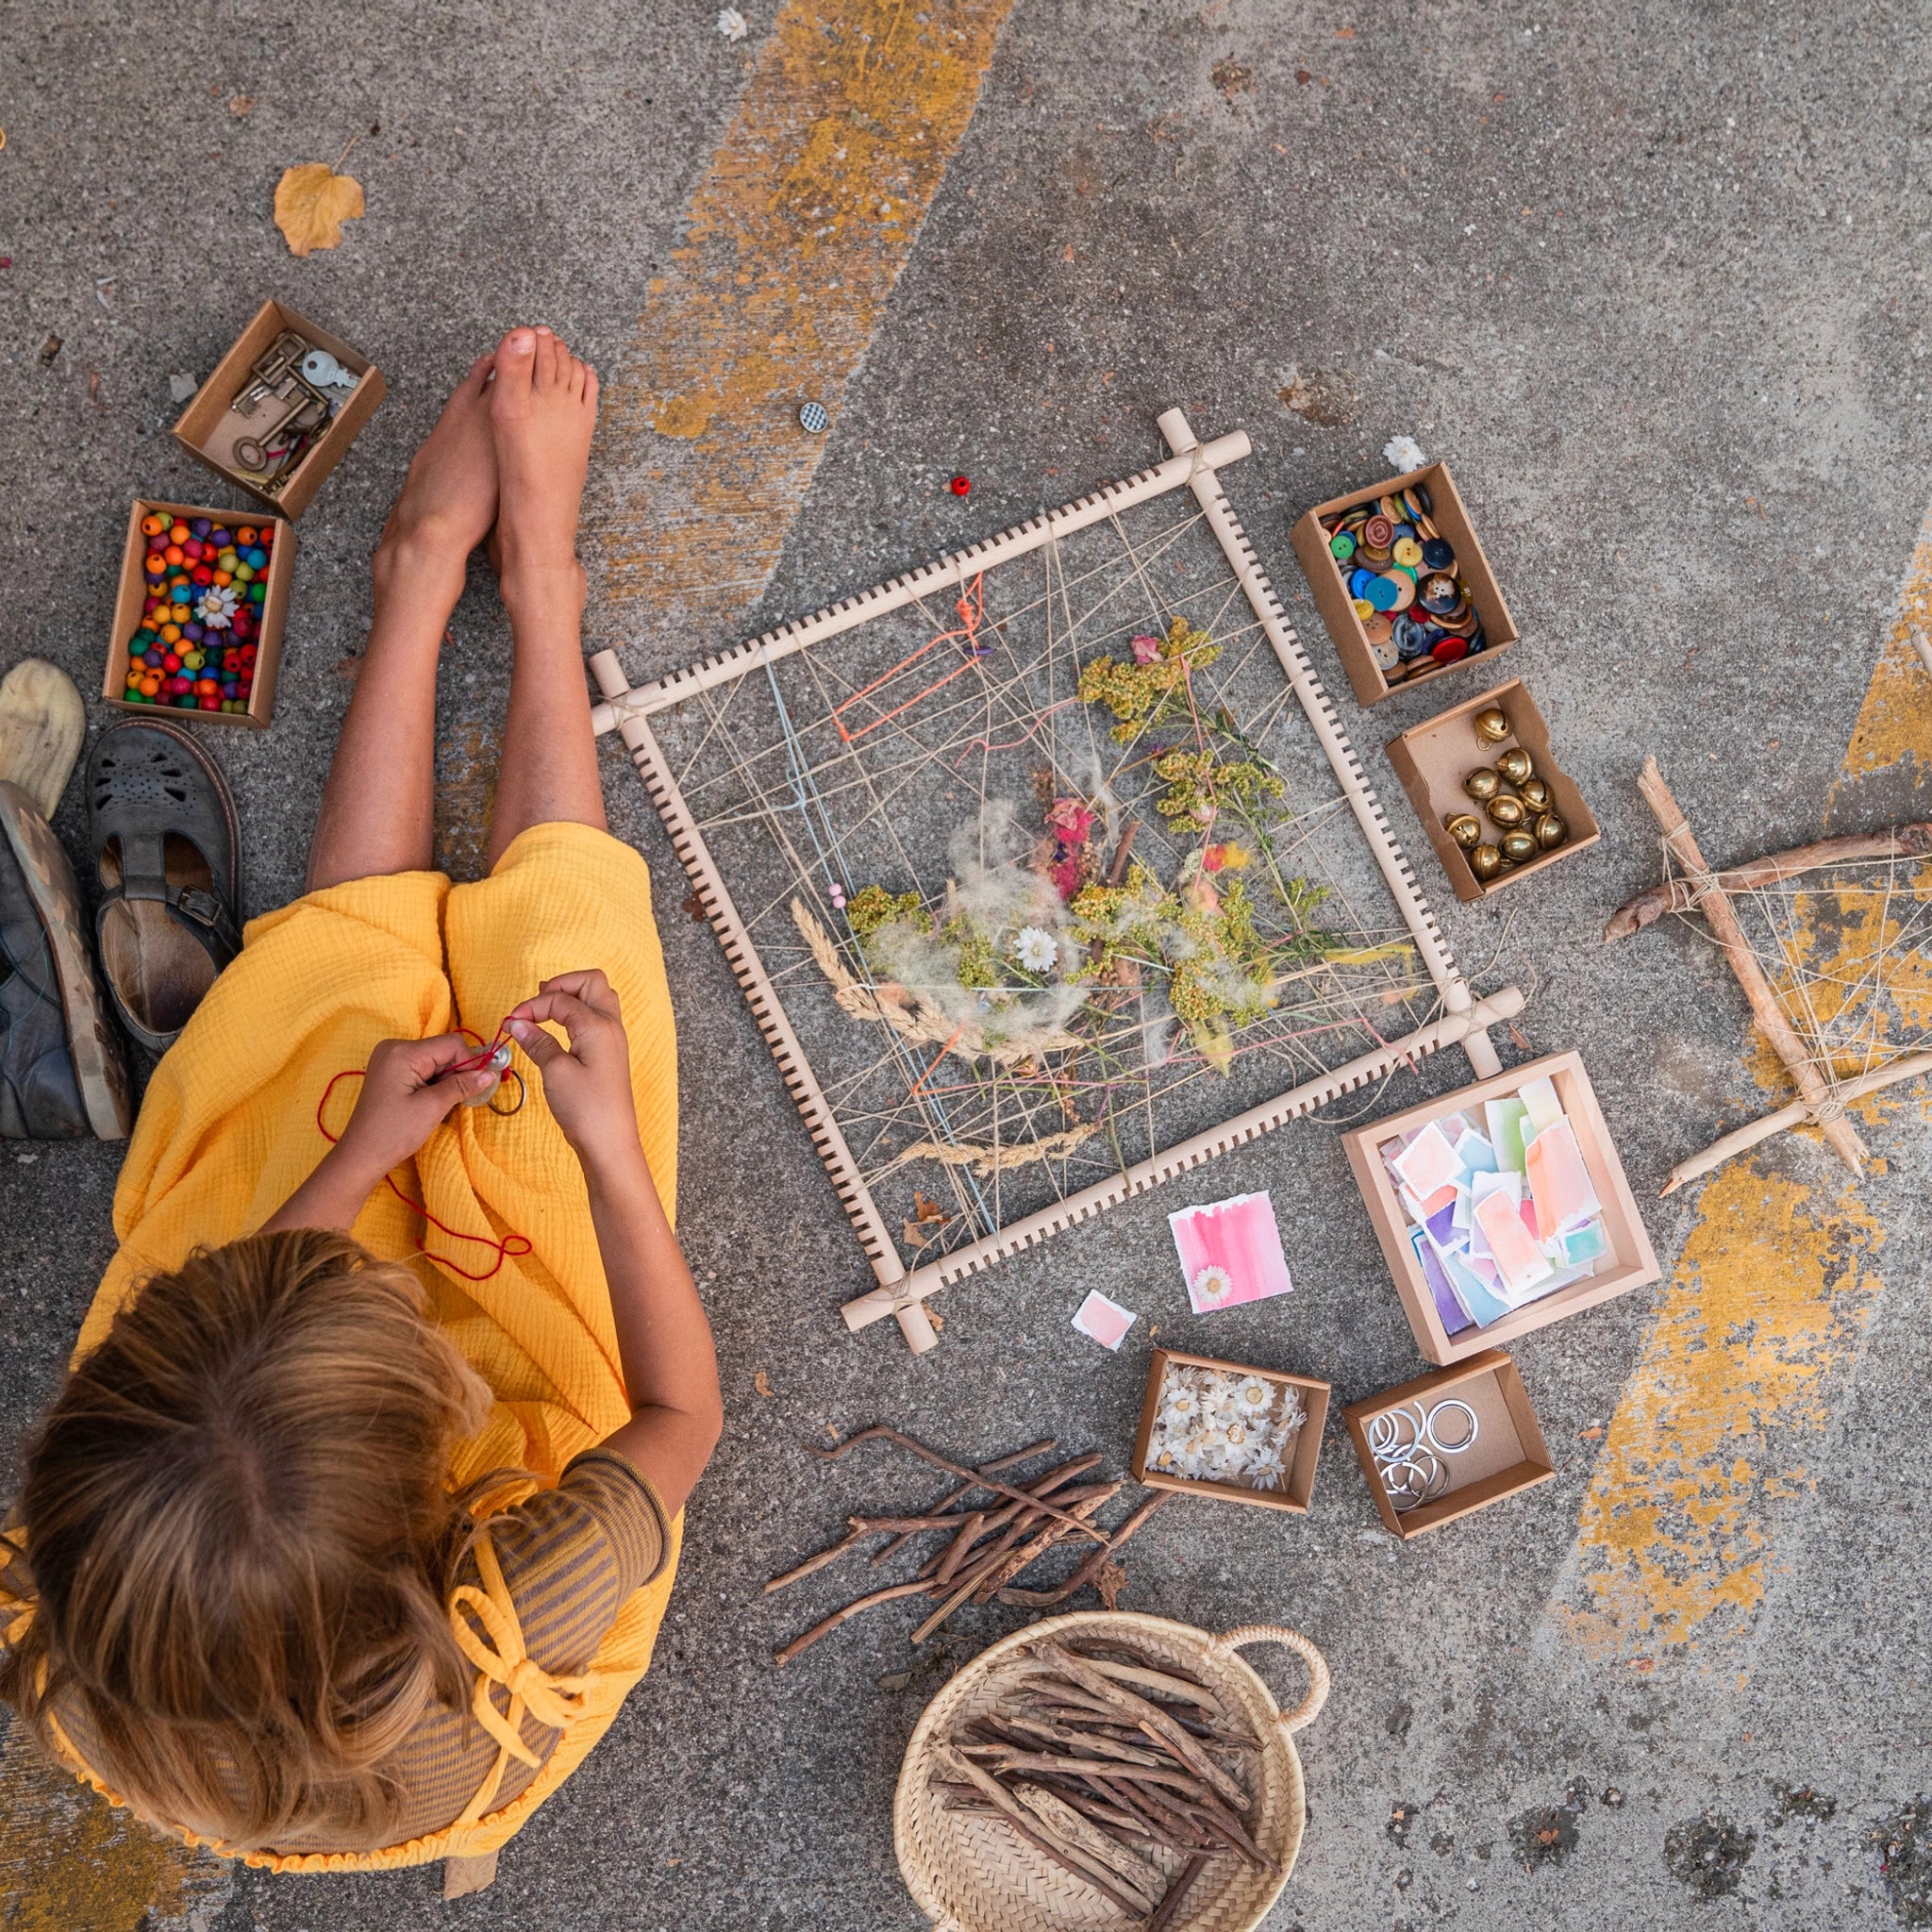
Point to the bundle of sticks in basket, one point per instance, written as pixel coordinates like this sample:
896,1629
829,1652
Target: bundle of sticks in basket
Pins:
994,1531
1099,1761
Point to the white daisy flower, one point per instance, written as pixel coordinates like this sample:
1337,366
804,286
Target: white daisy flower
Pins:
1255,1395
1037,949
217,606
1212,1285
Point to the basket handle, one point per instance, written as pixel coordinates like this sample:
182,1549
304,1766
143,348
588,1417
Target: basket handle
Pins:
1309,1708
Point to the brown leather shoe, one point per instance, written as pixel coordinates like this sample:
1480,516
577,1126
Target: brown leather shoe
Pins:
167,848
62,1074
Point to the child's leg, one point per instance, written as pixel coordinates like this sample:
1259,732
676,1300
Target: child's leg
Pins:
543,406
377,810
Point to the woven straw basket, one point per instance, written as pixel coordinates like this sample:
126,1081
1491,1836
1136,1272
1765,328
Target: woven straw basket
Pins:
970,1874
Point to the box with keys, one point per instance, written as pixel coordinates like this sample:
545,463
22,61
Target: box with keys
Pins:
281,409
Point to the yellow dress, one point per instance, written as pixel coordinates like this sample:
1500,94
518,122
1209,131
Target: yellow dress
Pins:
228,1130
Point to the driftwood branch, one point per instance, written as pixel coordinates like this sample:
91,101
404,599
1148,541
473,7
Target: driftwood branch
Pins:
1680,896
1742,1139
1827,1110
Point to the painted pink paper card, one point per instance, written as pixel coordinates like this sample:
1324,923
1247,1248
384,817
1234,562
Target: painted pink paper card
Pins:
1106,1321
1230,1253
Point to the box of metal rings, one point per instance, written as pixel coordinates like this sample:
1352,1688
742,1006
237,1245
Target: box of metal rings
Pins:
281,409
1488,792
1448,1442
1215,1428
1400,581
1501,1207
199,614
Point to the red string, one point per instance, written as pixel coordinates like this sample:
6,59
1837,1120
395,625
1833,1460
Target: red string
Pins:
971,609
513,1247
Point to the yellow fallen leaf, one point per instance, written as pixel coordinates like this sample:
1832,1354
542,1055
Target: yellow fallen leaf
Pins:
762,1383
312,204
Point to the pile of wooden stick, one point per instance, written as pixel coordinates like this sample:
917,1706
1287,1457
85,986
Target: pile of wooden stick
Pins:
1097,1759
994,1531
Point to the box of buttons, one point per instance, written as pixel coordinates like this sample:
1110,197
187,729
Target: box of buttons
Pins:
1400,581
199,614
281,409
1448,1443
1501,1207
1487,787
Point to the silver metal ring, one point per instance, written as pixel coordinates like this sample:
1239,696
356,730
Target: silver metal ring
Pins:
1435,1442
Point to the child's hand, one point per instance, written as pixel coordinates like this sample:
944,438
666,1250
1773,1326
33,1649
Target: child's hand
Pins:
398,1108
587,1086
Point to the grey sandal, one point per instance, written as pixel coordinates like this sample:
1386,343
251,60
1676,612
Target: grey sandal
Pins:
167,846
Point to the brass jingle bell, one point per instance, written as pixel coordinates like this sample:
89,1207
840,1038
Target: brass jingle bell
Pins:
1519,847
1486,861
1464,828
1492,725
1536,794
1482,784
1507,810
1551,831
1516,766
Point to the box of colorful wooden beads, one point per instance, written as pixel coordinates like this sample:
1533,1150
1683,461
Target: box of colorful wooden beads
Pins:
1501,1207
198,619
1215,1428
1487,787
281,409
1400,581
1448,1442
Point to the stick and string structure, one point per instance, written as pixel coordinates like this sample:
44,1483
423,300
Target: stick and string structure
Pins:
1833,970
1048,872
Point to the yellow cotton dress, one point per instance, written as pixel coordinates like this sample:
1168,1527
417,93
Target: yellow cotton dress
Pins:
228,1130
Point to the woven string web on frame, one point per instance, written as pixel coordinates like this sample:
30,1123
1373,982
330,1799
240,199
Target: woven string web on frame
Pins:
1848,952
942,754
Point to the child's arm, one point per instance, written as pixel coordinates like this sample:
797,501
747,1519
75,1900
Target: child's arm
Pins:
663,1340
397,1108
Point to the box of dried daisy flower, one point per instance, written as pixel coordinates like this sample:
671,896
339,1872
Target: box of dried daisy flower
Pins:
1215,1428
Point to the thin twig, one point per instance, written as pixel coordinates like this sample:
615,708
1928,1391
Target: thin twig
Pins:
879,1432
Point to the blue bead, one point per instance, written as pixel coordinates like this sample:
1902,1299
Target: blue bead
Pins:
255,557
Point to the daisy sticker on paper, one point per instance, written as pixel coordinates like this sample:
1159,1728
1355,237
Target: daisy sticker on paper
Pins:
1230,1253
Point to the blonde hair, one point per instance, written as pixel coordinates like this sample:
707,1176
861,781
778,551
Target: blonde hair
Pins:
243,1538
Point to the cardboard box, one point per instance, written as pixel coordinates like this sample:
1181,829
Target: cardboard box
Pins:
1300,1484
1630,1264
1507,1456
1432,760
1331,586
132,599
209,404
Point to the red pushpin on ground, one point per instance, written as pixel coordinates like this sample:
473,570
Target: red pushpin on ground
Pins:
963,486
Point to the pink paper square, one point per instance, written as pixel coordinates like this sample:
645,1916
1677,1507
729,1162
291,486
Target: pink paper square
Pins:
1230,1253
1106,1321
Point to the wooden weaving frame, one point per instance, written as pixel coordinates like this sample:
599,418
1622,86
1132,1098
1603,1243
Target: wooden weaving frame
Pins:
1193,466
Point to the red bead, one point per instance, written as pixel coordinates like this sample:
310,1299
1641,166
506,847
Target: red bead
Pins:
170,663
211,704
963,486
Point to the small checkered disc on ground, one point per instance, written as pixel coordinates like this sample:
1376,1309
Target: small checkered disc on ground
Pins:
815,417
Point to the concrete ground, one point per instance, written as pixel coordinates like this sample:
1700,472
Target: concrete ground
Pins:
1652,278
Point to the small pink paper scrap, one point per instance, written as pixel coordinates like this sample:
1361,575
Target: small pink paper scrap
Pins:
1106,1322
1230,1253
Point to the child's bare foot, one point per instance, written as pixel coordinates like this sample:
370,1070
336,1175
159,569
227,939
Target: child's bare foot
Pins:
543,405
448,500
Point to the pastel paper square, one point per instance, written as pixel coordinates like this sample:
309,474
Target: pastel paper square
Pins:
1230,1253
1506,1118
1105,1321
1454,1316
1521,1262
1428,1162
1559,1181
1539,1098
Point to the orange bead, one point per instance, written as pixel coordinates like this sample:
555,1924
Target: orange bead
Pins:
151,686
178,533
154,566
247,533
152,526
174,554
171,633
222,577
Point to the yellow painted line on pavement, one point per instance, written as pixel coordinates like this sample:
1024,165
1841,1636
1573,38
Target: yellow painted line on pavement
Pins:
797,234
795,237
1761,1321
